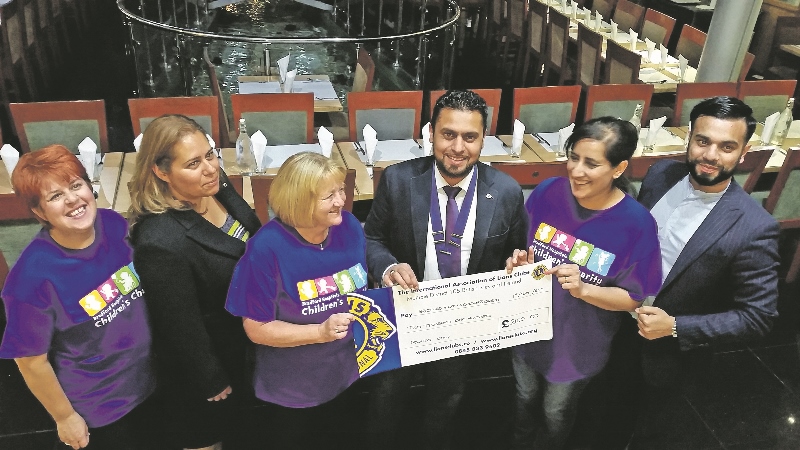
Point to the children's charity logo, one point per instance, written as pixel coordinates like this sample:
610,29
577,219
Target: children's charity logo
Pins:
342,282
122,282
580,252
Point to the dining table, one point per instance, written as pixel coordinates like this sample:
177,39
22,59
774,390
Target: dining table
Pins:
325,97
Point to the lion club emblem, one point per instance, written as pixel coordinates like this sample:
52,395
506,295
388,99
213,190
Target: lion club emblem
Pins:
375,327
538,272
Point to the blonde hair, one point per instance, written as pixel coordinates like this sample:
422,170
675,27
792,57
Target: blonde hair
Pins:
150,194
294,194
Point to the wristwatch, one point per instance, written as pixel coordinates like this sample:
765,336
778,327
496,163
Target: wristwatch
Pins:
675,327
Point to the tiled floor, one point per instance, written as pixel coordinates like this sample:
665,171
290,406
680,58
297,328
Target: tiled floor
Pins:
751,400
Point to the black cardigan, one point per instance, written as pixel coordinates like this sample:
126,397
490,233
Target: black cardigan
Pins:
185,265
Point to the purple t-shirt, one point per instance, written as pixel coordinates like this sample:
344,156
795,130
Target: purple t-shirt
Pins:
282,277
85,310
617,247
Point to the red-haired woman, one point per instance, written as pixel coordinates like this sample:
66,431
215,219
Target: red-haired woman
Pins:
77,323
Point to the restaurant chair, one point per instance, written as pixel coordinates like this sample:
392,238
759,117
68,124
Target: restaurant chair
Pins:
16,67
492,97
517,18
261,185
203,110
749,171
690,44
639,165
365,72
530,174
393,114
226,137
68,123
783,202
657,27
377,173
590,58
546,109
687,95
628,15
747,63
617,100
536,43
557,44
604,7
782,66
622,65
496,25
284,119
766,96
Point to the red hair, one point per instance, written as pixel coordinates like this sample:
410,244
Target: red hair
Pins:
34,169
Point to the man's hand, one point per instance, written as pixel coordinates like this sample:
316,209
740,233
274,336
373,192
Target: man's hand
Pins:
654,323
519,258
401,274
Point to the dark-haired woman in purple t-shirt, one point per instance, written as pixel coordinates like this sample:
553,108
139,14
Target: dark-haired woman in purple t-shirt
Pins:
606,261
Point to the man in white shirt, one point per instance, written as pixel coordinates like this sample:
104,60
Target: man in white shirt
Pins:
719,255
436,217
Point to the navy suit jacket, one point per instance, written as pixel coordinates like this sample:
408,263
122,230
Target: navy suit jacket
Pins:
397,225
723,287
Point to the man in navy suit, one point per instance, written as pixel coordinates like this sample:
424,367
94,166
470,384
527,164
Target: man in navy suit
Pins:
719,255
436,217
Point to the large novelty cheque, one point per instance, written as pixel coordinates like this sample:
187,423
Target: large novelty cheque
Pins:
451,317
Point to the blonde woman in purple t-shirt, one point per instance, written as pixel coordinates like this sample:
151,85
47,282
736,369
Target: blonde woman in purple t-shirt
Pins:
606,260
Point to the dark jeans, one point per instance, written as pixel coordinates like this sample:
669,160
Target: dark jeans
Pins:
445,381
559,406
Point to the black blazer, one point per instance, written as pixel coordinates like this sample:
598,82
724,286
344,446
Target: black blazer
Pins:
723,287
185,265
397,224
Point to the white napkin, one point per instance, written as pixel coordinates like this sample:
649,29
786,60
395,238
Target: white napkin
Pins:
563,135
663,51
587,17
211,141
10,157
137,142
564,5
325,139
259,142
88,151
655,126
634,35
683,64
289,80
427,145
769,126
517,137
614,30
651,48
598,21
574,12
283,66
370,141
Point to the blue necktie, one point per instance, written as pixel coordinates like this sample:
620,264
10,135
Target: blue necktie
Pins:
452,262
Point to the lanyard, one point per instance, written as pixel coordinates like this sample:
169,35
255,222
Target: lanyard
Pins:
446,246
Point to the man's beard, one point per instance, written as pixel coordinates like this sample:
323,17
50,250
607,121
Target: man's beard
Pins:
705,181
445,172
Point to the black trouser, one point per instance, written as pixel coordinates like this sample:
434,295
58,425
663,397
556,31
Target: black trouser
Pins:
445,381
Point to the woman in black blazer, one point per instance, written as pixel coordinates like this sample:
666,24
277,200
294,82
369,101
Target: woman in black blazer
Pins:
189,229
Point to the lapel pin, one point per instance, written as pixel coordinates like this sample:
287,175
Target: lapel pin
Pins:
488,195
